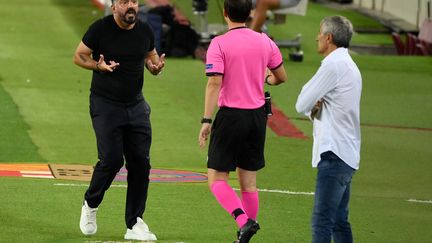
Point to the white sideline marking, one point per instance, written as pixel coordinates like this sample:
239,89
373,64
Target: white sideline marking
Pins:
283,192
236,189
85,185
419,201
100,241
261,190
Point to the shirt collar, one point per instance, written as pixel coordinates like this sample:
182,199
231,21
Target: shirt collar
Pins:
236,28
340,51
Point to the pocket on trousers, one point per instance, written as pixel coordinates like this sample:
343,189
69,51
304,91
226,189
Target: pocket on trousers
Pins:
324,163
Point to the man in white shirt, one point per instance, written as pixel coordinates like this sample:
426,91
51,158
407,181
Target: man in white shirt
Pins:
332,101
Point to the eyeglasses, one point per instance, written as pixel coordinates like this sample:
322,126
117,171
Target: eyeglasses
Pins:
126,2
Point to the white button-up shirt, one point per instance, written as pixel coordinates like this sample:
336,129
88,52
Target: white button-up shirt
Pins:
338,84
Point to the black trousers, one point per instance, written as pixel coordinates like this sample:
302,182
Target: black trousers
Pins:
123,132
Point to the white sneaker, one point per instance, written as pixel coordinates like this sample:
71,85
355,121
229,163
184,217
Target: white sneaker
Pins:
140,231
88,224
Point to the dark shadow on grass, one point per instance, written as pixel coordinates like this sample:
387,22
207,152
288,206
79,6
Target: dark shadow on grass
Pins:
15,143
79,13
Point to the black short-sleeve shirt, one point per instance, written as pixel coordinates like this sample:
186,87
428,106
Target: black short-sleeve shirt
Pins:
127,47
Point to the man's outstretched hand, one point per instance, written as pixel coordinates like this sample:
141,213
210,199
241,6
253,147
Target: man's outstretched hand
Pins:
102,66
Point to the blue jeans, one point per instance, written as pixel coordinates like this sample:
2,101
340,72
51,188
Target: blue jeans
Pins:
332,193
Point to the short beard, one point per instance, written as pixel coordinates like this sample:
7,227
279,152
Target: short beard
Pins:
130,20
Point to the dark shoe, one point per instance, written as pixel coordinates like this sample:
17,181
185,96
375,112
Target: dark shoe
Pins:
247,231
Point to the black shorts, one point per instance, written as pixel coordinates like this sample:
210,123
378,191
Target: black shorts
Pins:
237,139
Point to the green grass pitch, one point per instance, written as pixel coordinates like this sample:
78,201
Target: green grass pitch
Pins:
44,118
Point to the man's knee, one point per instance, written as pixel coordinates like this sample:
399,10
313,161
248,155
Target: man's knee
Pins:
141,159
342,226
268,4
110,164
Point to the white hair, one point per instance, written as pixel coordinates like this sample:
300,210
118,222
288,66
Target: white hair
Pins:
341,29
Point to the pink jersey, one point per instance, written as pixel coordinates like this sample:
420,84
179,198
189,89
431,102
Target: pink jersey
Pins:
242,55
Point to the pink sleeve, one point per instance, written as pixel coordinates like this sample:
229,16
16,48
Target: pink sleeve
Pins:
275,57
214,60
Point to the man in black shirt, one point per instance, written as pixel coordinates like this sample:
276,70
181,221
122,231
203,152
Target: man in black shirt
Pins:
117,48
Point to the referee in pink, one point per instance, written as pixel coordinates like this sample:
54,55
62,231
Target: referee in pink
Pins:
236,67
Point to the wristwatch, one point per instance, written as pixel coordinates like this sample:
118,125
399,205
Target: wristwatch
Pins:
206,120
266,80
